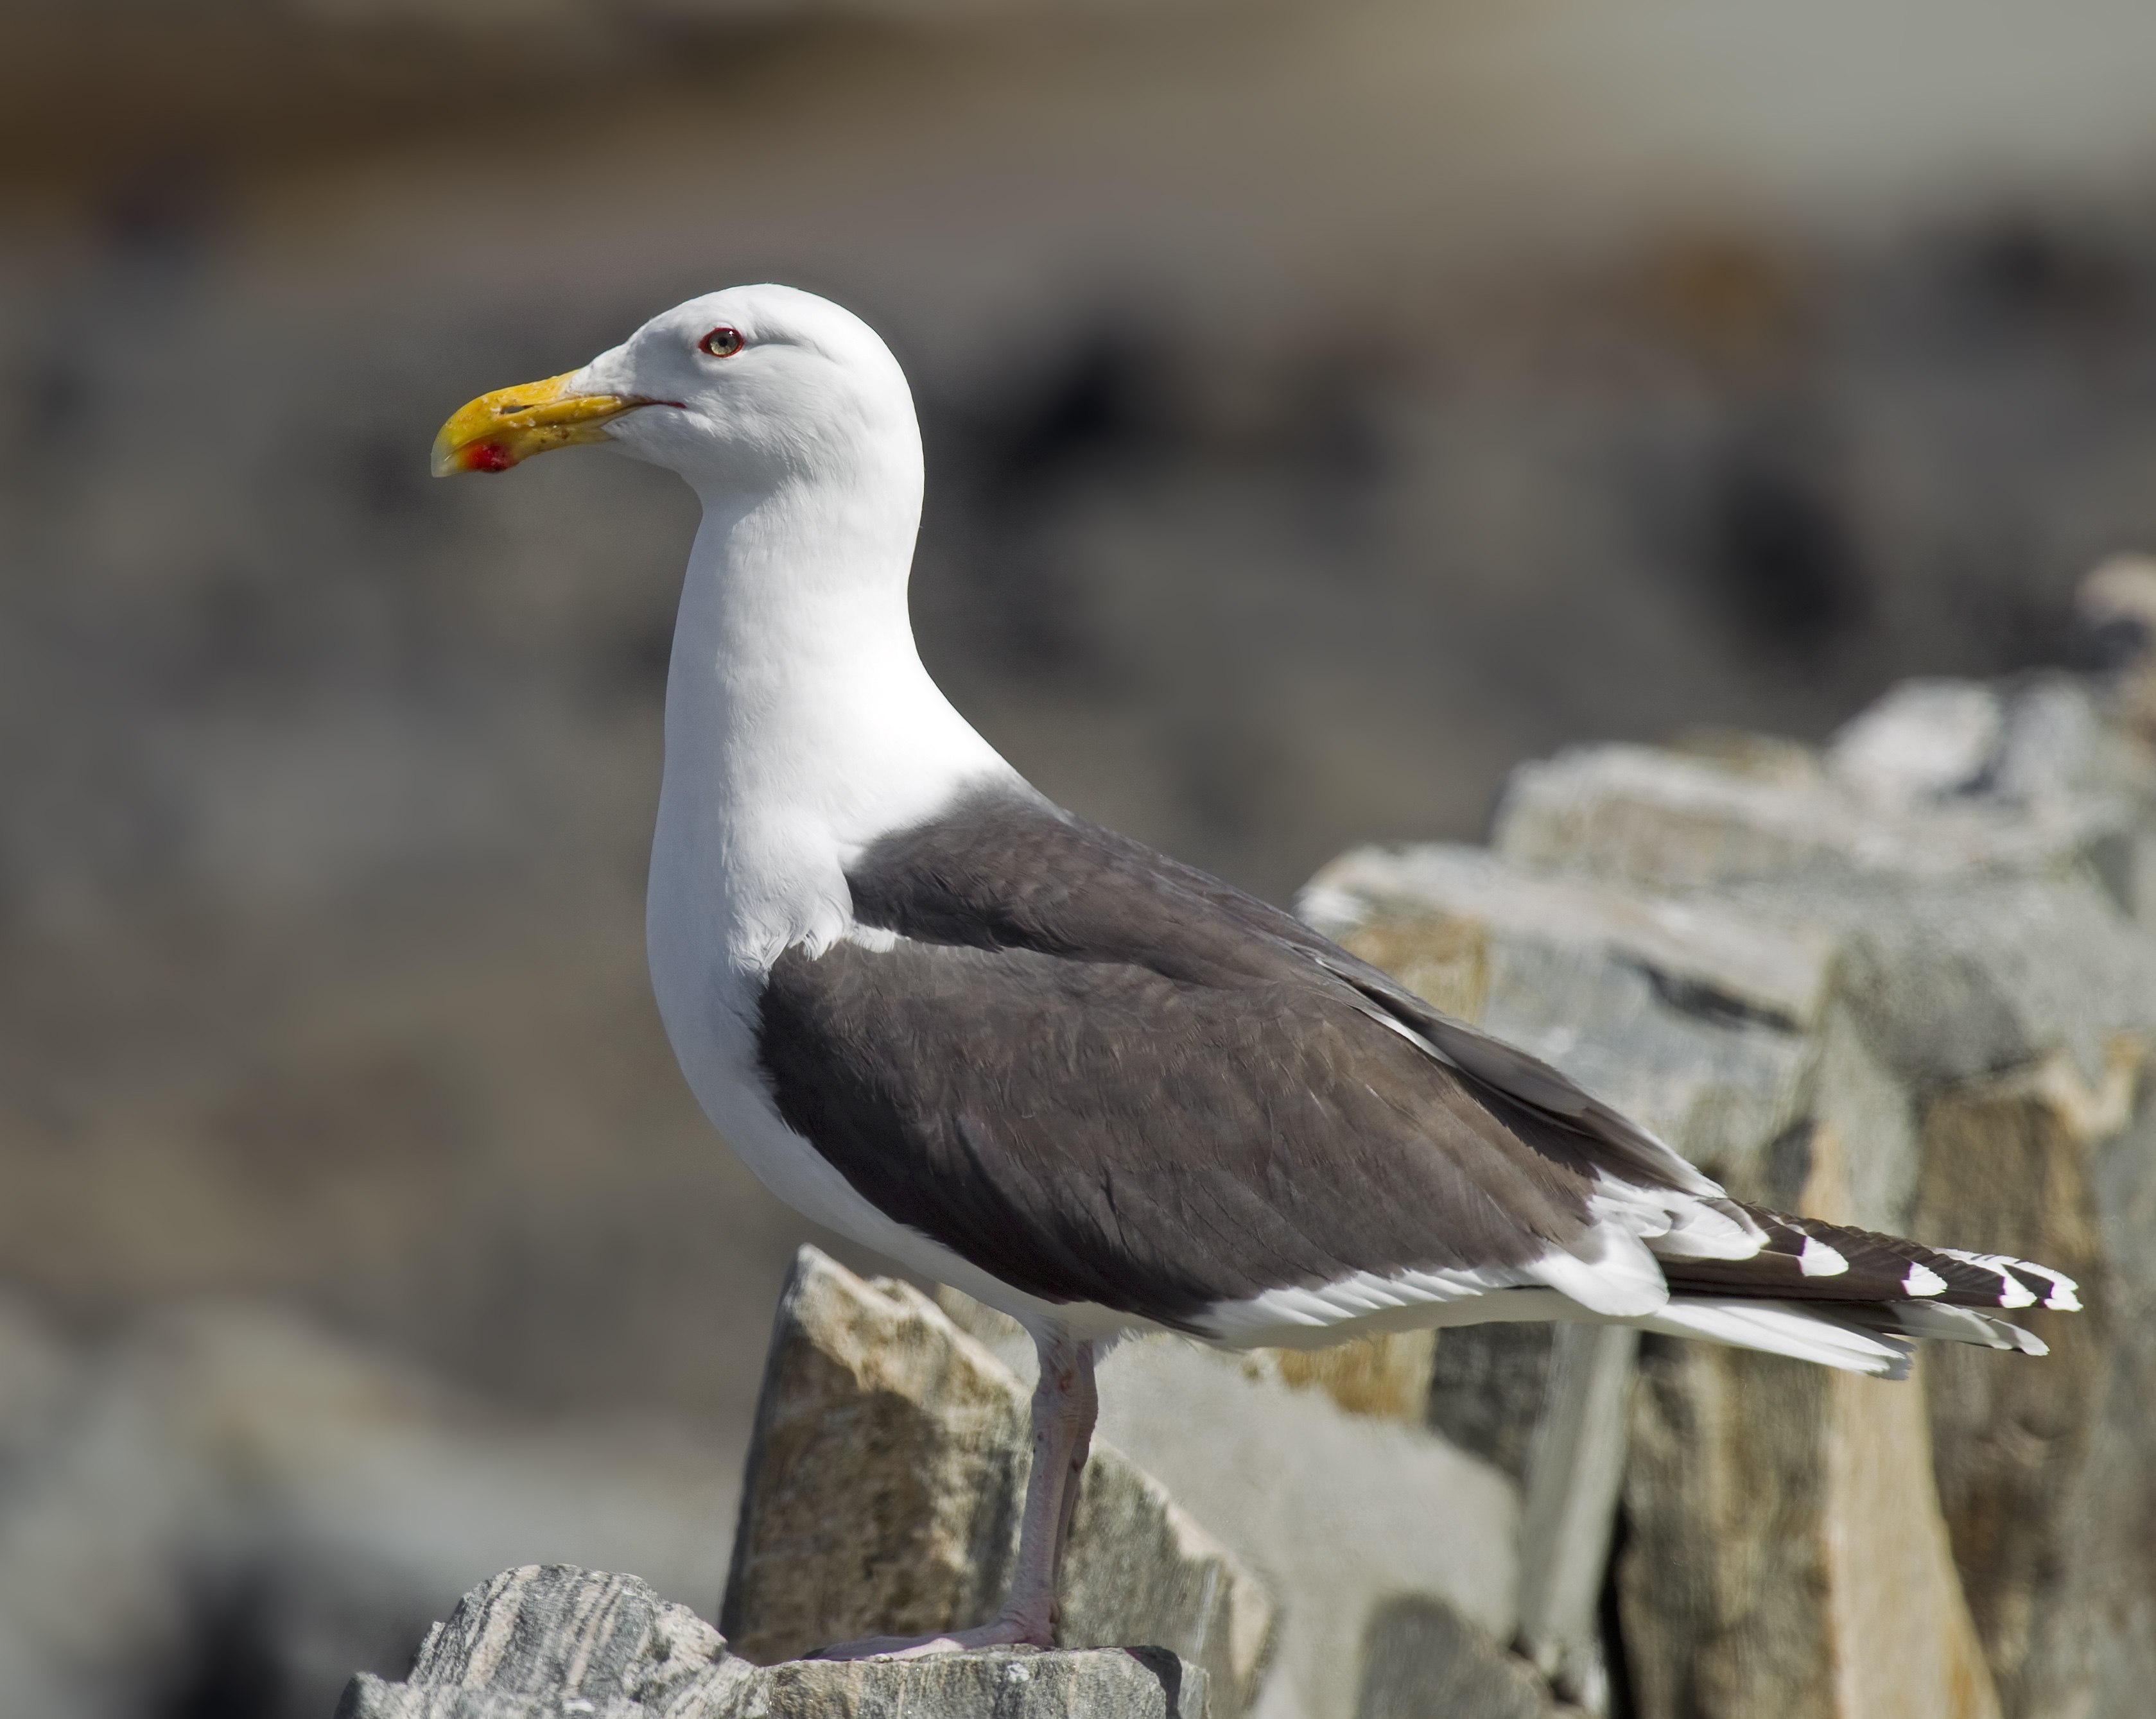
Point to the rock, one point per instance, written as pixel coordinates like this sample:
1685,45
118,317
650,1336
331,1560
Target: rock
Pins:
1667,822
2103,1652
548,1640
2006,1170
37,1374
1788,1552
1487,1389
555,1642
883,1491
1340,1513
885,1477
1694,1016
1918,1006
1387,1376
1925,740
1408,909
1575,1467
1937,986
1420,1658
2115,609
1140,1569
1014,1683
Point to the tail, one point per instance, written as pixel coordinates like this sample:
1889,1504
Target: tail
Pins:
1850,1298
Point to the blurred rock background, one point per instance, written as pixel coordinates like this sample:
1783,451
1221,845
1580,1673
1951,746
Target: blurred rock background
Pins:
1329,407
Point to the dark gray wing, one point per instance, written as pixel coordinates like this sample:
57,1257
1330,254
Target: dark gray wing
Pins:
1103,1076
1004,870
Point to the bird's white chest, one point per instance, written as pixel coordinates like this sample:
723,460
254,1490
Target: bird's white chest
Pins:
703,924
724,902
759,813
801,727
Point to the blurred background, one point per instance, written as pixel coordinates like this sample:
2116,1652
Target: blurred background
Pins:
1327,408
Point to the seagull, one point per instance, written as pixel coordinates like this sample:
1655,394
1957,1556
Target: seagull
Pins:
1027,1057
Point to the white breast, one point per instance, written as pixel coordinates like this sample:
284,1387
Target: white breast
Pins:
800,727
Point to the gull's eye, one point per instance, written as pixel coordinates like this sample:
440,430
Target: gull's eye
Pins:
721,342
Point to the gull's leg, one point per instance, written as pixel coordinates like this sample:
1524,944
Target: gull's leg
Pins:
1065,1406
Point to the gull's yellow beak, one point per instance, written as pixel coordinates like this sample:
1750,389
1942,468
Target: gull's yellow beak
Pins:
497,430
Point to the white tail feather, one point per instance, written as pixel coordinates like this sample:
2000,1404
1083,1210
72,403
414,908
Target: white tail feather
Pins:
1963,1325
1782,1328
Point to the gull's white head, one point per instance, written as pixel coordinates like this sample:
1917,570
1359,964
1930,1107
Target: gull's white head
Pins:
737,390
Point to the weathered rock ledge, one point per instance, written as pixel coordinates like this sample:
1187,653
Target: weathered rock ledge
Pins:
553,1642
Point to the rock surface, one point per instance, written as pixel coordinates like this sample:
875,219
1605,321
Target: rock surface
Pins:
554,1642
1421,1658
884,1487
1386,1377
1901,984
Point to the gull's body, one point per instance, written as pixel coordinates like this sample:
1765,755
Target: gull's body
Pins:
1027,1057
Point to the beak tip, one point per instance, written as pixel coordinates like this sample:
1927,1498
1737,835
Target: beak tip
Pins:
482,455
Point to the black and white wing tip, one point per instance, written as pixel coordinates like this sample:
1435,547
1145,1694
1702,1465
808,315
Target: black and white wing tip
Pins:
1856,1299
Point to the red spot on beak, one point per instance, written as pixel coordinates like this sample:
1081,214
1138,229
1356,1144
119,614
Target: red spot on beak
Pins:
488,456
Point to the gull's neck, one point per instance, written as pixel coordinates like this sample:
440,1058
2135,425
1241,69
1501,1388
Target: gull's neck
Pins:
800,722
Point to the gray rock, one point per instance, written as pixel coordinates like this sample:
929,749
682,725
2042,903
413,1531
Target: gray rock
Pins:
2014,1448
1898,988
1812,990
1925,740
1400,901
37,1373
1339,1512
1698,1017
1575,1468
2115,606
1670,822
1686,1013
884,1476
1487,1389
1012,1683
1421,1659
883,1493
1969,1080
555,1642
550,1641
